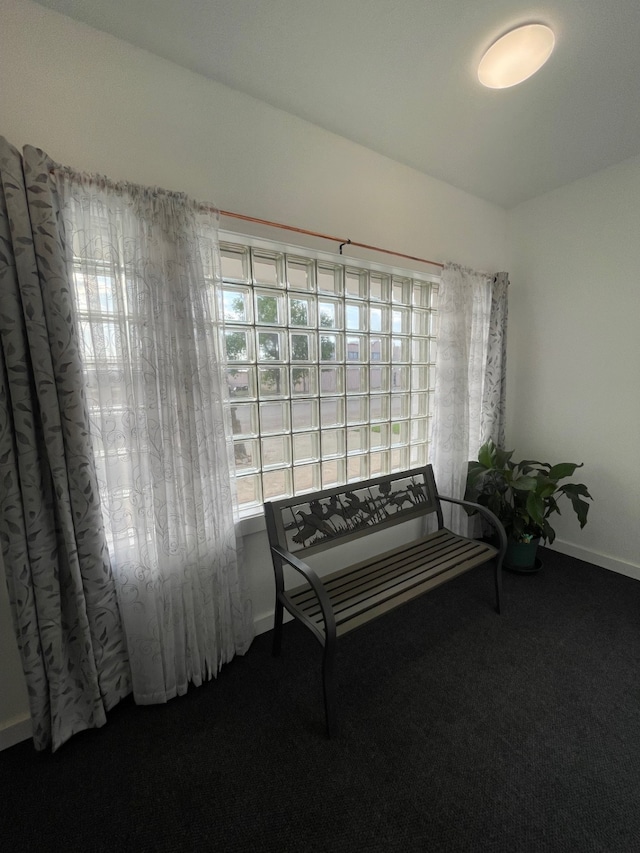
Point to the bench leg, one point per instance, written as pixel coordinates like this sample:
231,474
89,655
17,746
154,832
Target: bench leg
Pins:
498,573
277,628
328,685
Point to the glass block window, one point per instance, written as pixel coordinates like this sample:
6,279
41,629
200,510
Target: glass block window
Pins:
330,370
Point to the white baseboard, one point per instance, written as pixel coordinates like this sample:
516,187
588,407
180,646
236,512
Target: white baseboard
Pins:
264,623
631,570
15,730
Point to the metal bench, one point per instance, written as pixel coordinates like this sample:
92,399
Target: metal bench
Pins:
338,602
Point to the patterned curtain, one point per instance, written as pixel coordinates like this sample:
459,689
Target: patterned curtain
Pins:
495,379
470,381
61,588
145,268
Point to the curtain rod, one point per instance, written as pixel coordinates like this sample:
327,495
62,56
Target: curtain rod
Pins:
330,237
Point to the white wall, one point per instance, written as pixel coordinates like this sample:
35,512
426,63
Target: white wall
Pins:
96,103
574,351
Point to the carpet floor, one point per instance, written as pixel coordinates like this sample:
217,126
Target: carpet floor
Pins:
460,730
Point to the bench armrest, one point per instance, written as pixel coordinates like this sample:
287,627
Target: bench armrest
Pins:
491,517
316,584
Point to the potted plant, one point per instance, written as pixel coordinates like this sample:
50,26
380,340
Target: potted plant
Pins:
524,495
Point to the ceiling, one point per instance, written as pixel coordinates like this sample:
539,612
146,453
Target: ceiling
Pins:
399,76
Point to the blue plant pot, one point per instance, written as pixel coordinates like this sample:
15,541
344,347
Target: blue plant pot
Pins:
522,556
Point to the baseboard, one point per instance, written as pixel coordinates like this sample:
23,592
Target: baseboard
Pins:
15,730
631,570
264,623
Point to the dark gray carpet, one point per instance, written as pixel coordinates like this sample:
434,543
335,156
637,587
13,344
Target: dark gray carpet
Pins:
461,730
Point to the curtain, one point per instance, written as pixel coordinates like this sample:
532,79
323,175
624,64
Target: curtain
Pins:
494,391
469,400
61,588
145,268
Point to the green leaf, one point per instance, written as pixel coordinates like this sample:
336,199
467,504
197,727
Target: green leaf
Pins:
502,457
546,490
475,471
581,508
574,489
563,469
485,454
535,508
524,483
548,533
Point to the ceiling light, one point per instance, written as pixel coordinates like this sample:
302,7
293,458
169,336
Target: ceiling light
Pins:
516,56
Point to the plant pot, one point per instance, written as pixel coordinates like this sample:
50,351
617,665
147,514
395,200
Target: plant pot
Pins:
522,556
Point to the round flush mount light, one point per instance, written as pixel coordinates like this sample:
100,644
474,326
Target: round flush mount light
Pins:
516,56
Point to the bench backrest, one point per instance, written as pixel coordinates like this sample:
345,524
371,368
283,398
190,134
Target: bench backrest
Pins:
310,523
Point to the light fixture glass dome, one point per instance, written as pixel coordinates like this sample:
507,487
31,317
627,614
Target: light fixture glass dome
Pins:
516,56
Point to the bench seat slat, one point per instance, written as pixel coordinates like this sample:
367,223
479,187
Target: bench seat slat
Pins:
346,581
387,570
372,587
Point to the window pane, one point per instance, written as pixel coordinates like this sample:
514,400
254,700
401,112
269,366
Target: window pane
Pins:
271,346
276,451
356,348
269,308
304,414
332,380
272,381
238,344
306,447
276,484
300,274
301,311
303,346
236,305
304,381
355,316
306,478
268,268
357,379
378,348
330,314
234,262
249,492
379,287
330,349
355,284
379,436
333,442
333,473
241,383
357,410
379,379
357,468
379,408
247,456
244,419
332,412
330,279
274,417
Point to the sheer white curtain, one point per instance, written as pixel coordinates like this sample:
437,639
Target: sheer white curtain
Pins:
145,269
465,350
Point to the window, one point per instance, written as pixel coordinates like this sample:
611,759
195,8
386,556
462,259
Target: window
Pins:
330,369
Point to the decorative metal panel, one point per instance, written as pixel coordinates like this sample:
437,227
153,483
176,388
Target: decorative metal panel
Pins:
321,519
